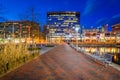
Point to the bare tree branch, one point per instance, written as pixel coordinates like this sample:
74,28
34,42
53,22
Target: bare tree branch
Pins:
30,15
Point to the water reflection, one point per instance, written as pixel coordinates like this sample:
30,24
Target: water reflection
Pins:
102,50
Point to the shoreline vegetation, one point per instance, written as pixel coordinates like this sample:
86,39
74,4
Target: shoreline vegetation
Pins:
14,55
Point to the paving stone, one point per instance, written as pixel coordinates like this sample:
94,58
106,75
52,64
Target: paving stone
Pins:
63,63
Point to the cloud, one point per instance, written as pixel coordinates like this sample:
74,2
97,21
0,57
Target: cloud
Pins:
116,16
94,5
90,7
115,19
101,21
111,21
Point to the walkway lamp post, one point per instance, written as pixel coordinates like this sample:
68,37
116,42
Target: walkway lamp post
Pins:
4,32
20,32
77,29
46,39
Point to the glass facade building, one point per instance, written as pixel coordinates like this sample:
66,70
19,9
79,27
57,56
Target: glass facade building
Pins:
60,25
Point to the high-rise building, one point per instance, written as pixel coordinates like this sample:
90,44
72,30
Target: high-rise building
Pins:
60,25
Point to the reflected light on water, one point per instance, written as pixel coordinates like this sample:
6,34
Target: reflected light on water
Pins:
102,50
111,50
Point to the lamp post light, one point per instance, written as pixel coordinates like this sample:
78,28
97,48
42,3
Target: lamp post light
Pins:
20,26
13,32
46,39
4,32
77,29
67,38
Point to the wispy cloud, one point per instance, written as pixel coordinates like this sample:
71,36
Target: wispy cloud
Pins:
101,21
94,5
115,19
116,16
90,7
111,21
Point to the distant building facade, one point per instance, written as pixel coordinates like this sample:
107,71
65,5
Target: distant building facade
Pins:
96,35
104,28
15,30
116,28
60,25
90,35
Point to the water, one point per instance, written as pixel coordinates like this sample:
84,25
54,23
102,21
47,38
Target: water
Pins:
115,51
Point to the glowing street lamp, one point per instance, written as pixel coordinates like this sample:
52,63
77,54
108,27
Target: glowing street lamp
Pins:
77,29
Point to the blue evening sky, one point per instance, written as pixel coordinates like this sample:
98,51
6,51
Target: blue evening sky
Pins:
93,12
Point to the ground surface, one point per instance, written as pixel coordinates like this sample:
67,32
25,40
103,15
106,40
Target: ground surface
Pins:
45,49
62,63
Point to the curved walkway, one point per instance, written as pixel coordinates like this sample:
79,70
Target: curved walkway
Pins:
62,63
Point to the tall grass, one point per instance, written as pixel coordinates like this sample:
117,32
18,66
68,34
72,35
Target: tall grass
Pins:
13,55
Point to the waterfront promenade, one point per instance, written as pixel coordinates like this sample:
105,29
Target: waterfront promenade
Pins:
63,63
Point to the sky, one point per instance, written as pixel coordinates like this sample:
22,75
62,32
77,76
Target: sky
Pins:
93,13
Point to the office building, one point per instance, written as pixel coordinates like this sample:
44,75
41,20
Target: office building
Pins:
60,25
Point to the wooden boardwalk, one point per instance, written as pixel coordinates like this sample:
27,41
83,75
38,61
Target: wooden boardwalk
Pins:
62,63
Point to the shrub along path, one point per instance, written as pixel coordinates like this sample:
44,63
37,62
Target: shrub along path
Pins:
62,63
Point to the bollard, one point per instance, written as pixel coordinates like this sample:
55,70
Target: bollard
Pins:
33,54
6,67
24,59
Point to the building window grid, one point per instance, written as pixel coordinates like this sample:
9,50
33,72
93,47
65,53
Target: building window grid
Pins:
62,23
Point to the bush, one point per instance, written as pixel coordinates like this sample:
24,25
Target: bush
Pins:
50,45
13,55
34,48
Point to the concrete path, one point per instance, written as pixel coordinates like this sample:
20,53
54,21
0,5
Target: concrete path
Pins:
63,63
45,49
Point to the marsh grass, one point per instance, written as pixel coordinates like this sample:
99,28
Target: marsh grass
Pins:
13,55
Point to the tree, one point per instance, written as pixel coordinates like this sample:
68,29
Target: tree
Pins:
34,17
